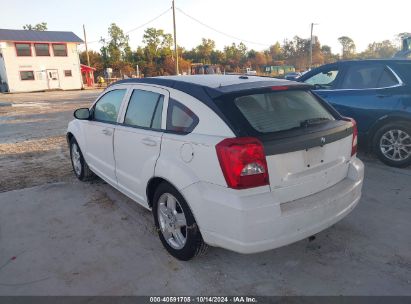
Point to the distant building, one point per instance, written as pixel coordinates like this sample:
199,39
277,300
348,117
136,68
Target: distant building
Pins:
278,70
39,60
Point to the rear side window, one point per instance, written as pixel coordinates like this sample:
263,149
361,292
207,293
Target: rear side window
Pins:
144,109
368,77
281,111
387,79
107,108
403,70
180,118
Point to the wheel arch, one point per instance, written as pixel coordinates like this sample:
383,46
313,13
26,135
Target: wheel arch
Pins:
75,131
153,184
382,121
69,136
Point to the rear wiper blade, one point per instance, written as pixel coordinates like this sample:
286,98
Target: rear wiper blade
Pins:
313,121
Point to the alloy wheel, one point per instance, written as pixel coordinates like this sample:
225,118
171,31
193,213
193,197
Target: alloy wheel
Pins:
76,158
396,145
172,220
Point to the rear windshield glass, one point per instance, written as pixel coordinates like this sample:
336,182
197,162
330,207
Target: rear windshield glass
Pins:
281,111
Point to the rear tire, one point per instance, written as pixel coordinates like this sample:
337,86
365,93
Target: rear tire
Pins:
175,223
392,144
80,167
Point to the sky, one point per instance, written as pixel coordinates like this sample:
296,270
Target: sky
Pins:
257,23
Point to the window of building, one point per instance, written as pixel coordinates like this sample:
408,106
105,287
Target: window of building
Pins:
42,49
60,50
23,49
144,109
26,75
67,73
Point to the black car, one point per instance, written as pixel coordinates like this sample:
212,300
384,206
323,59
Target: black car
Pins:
377,94
292,76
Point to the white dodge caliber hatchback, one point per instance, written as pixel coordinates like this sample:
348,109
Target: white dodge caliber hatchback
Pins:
241,162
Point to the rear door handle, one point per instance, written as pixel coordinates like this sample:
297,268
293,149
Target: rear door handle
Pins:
149,142
106,132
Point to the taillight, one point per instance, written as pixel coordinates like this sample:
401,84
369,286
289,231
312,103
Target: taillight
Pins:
243,162
354,135
280,88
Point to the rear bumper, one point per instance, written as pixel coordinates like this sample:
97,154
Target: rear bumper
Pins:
253,221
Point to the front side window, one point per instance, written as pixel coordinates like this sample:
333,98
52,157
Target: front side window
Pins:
59,50
107,108
180,118
324,79
27,75
23,49
144,110
42,49
281,111
368,77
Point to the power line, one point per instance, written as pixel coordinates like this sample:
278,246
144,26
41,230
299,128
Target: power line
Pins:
148,22
142,25
221,32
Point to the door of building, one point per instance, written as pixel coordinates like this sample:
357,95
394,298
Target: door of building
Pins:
53,79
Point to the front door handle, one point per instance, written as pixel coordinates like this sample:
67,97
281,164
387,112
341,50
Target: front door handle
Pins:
149,142
106,132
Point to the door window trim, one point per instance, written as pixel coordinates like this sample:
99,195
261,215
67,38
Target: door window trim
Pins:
122,123
149,88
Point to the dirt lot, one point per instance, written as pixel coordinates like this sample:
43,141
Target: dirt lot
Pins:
59,236
33,148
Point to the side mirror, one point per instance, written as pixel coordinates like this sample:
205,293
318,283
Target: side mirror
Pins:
82,114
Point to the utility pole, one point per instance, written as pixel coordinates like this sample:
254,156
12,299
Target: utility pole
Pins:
311,45
85,42
175,38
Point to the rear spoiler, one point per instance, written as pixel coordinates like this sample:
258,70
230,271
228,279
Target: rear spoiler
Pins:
265,86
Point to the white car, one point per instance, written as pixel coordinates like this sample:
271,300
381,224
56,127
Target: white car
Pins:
241,162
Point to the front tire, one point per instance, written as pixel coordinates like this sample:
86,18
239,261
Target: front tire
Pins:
176,226
392,144
80,167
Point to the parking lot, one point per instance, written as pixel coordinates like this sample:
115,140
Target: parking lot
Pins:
59,236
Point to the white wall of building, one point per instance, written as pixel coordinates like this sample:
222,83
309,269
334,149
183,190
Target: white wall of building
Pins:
41,66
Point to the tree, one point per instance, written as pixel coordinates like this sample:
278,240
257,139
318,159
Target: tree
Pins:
118,43
217,57
96,61
276,52
235,56
205,49
115,50
383,49
328,55
348,47
38,27
158,44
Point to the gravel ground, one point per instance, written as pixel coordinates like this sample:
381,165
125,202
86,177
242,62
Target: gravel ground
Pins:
33,149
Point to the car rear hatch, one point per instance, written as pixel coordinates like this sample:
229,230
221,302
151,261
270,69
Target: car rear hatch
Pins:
307,144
